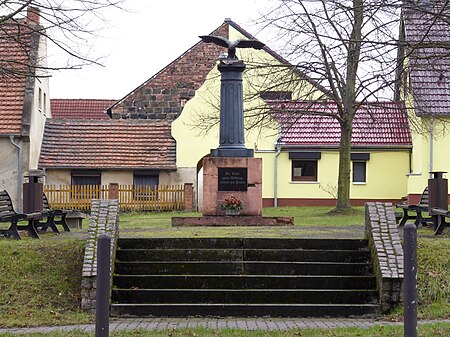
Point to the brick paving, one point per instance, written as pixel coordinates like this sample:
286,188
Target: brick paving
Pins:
264,324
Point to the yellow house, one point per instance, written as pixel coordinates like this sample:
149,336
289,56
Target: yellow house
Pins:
425,85
305,166
382,137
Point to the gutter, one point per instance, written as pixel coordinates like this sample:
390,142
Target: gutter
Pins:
431,144
19,173
336,147
275,176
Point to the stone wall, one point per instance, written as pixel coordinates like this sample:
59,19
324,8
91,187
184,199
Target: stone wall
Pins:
104,220
387,252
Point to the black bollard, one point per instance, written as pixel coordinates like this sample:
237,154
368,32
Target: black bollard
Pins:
103,286
410,285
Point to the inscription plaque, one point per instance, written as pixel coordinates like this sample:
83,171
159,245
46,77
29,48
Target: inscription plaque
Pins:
232,178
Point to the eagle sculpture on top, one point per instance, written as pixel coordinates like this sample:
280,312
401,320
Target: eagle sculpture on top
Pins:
232,45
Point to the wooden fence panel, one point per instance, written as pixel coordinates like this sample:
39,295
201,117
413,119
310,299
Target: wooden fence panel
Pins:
144,198
131,197
78,197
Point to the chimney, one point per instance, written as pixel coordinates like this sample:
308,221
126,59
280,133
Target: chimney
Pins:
33,15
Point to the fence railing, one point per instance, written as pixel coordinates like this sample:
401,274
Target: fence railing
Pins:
131,197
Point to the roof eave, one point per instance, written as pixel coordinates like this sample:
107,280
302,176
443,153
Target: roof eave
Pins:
336,147
166,168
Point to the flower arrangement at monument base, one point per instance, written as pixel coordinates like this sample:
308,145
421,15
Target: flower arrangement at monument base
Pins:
232,206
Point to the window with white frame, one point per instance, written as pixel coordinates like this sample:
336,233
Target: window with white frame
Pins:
359,167
304,166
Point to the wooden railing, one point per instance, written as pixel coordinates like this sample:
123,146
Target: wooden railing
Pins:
131,197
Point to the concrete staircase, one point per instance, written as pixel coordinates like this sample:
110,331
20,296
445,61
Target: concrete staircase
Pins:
244,277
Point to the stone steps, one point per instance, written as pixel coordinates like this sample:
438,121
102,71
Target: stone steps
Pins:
258,296
245,310
243,277
239,267
244,281
238,254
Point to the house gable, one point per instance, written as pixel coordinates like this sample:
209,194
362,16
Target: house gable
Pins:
427,39
164,95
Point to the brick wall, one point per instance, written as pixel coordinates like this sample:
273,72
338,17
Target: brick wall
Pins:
162,96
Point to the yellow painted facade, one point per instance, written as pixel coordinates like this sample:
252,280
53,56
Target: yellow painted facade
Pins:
429,153
431,143
386,173
386,170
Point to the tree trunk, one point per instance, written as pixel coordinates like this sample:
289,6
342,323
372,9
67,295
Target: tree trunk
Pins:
343,199
348,111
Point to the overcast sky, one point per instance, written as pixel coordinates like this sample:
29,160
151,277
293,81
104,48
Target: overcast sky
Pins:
145,39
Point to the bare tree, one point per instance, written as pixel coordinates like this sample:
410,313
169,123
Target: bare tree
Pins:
352,53
71,26
349,47
353,49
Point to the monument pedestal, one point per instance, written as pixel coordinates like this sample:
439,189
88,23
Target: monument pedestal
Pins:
239,177
224,177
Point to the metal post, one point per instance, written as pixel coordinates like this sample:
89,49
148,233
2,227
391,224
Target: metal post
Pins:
103,286
410,285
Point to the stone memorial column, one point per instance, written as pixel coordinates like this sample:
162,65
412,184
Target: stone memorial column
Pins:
231,137
231,170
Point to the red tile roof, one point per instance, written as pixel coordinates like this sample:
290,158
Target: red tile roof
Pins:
375,125
115,144
428,38
15,47
80,108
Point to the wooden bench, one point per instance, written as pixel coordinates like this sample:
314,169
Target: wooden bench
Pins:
417,211
54,217
439,215
9,215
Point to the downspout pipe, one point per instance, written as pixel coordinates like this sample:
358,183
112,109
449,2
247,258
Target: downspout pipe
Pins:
431,144
275,176
19,173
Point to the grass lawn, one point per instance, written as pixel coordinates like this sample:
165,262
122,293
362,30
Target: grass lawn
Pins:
309,222
40,279
303,216
40,282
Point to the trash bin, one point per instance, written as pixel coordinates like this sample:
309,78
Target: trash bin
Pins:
33,191
438,191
